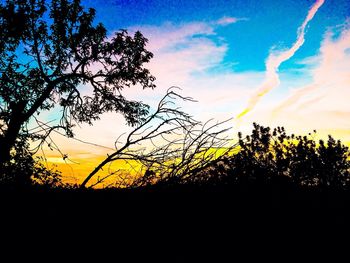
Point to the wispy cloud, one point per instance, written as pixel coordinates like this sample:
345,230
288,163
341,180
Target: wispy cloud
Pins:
320,95
329,90
184,56
226,20
275,59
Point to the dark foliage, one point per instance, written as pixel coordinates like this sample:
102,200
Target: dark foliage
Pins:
24,170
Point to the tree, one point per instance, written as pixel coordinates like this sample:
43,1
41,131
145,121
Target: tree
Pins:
47,52
169,147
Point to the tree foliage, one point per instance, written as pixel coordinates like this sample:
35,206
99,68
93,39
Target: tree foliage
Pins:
23,170
48,51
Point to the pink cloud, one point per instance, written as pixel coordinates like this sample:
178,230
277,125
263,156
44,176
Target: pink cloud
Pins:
179,52
184,55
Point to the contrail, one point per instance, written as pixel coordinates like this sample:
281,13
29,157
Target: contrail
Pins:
275,60
320,80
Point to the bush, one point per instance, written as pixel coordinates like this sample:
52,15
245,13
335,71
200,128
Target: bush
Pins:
269,155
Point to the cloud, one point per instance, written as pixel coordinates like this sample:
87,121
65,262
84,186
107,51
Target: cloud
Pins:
330,74
191,56
187,48
320,95
226,20
168,35
275,59
185,56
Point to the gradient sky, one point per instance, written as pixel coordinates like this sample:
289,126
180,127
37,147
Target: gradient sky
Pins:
236,57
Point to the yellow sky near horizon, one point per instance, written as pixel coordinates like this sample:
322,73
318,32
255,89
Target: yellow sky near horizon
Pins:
84,162
311,92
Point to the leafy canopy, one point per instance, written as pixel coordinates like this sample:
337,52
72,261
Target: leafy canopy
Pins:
48,52
48,49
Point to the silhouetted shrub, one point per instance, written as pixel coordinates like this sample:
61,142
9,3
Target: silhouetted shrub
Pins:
273,156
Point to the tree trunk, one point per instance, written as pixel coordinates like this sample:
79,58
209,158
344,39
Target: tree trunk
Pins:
8,140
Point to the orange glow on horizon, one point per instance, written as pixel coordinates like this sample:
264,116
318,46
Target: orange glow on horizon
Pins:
75,172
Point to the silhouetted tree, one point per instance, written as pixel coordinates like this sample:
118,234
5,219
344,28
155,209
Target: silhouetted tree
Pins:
168,146
47,52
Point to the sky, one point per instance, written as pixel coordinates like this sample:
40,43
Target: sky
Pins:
274,62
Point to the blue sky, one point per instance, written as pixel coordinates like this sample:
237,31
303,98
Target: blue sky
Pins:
278,62
269,23
261,29
220,49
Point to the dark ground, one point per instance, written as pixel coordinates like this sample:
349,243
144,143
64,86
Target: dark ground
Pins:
176,224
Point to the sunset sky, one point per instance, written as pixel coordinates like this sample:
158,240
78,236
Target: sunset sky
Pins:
275,62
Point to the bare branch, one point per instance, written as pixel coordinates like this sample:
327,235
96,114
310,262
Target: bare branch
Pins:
174,145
